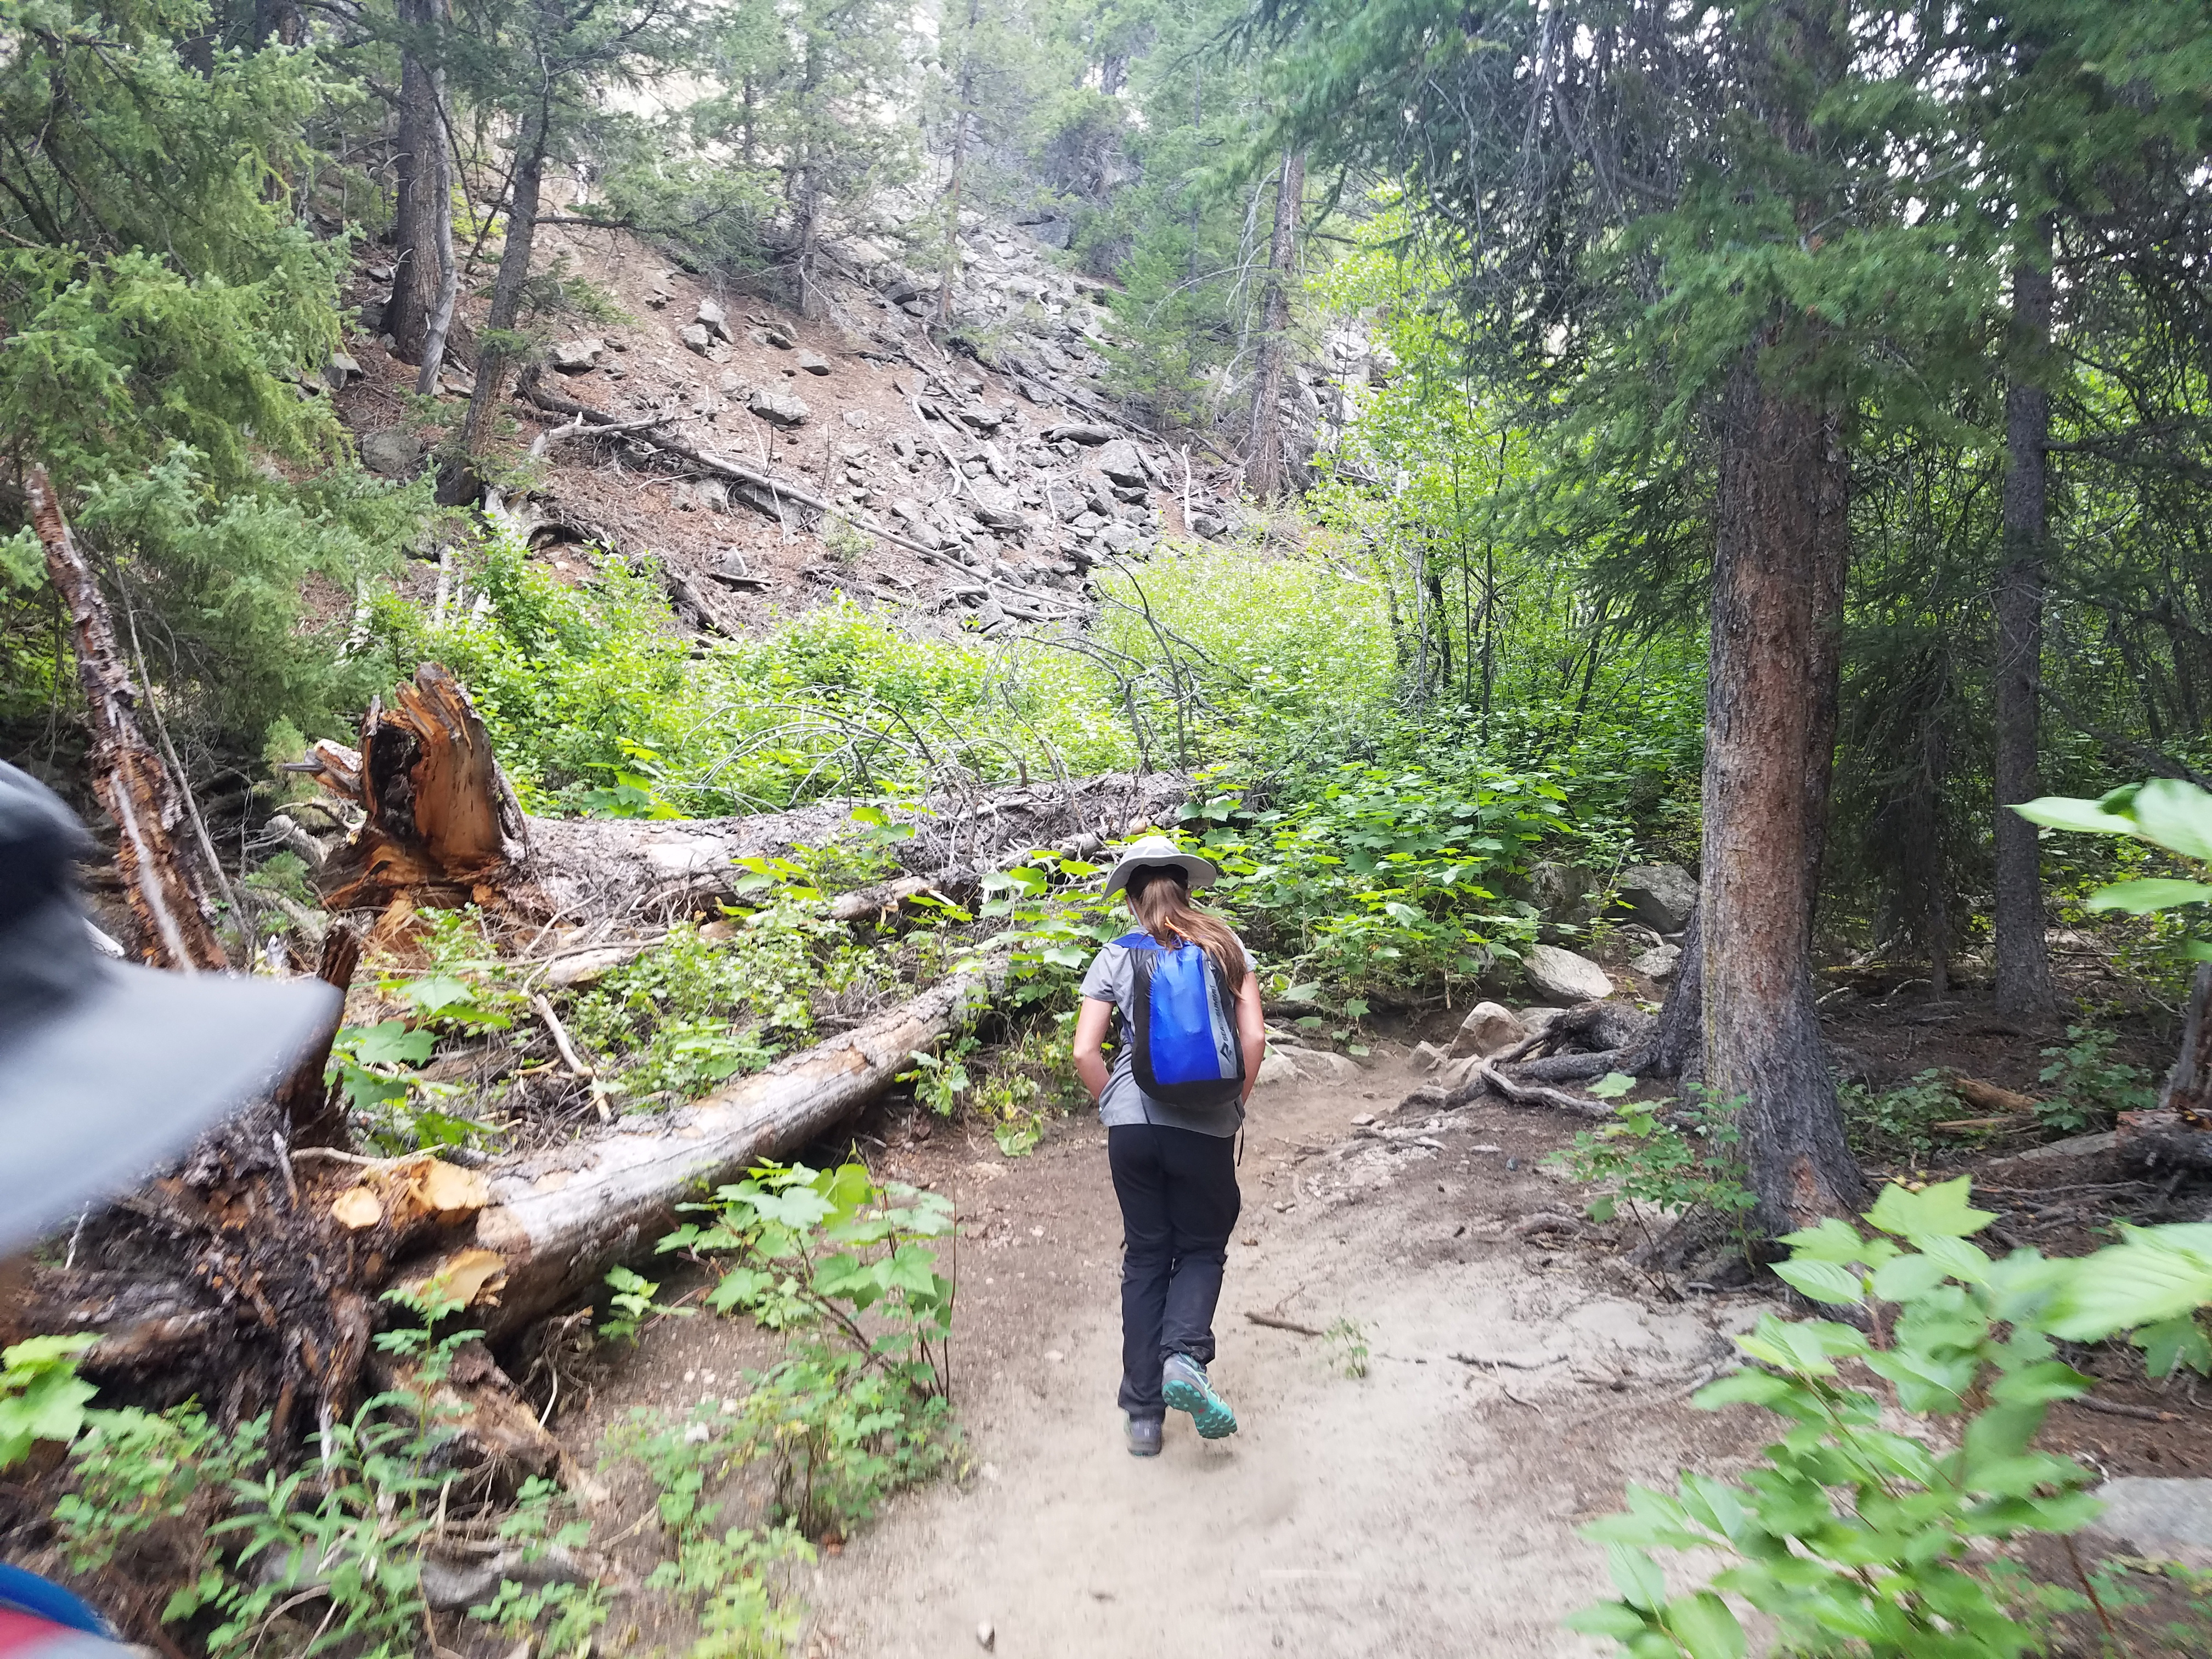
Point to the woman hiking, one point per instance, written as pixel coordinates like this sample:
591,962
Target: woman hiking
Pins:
1191,1038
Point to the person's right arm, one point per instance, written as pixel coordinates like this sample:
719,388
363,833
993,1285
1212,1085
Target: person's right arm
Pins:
1090,1018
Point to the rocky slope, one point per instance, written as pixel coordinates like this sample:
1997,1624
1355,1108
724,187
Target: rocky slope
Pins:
971,487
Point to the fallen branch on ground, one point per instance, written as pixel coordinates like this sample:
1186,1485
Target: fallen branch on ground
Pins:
1278,1322
1486,1076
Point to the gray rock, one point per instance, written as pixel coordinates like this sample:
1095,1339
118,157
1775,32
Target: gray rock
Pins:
1538,1019
1489,1028
577,357
1054,233
1556,973
714,319
1661,894
1427,1057
696,336
2152,1513
340,369
1560,890
734,385
1205,525
779,407
813,362
1091,436
1064,501
1660,962
392,450
1119,460
994,506
1121,538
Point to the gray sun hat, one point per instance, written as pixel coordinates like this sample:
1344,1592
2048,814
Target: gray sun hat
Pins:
107,1067
1155,852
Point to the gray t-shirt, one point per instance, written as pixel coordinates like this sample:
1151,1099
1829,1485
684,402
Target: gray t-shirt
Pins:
1112,977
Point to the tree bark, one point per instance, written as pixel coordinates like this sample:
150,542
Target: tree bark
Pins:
1677,1047
2023,962
1771,709
964,105
169,895
1263,467
425,194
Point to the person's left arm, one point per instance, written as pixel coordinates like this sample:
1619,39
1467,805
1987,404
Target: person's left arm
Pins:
1251,1031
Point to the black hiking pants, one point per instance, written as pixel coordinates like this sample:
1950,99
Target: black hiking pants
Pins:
1179,1205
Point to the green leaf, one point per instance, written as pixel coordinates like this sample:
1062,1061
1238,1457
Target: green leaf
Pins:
1823,1281
1939,1212
1636,1575
2149,893
2087,817
435,992
1831,1241
2177,816
1614,1619
1702,1623
2172,1343
1612,1085
388,1043
2141,1282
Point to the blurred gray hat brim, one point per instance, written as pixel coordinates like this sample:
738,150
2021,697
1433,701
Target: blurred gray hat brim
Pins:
129,1074
1157,852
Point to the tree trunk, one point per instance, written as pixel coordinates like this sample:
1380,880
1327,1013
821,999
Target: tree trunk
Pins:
495,354
1771,709
2023,962
1263,466
425,192
170,895
559,1221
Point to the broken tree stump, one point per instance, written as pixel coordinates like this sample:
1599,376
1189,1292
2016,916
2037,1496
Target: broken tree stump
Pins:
170,896
442,827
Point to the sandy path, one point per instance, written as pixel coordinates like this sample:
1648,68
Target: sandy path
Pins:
1426,1509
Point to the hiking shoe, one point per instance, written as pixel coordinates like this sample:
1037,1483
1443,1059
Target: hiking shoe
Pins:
1183,1385
1145,1437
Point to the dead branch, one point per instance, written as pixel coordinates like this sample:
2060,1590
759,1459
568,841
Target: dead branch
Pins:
168,894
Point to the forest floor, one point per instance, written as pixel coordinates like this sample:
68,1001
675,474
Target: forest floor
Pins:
1428,1507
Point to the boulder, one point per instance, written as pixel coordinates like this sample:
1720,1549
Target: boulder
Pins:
1119,461
1277,1068
1205,525
712,318
1088,437
994,506
1661,894
1559,891
1124,538
813,362
779,407
696,336
1489,1028
734,385
2155,1515
340,369
391,451
1660,962
1427,1057
1561,974
577,357
1054,233
1064,501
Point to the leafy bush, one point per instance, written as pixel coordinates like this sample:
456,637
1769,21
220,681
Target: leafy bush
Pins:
846,1269
1890,1122
2089,1086
1676,1162
691,1013
1858,1538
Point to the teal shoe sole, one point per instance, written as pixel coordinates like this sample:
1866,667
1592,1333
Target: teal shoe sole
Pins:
1209,1412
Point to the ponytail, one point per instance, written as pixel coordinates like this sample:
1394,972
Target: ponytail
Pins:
1159,897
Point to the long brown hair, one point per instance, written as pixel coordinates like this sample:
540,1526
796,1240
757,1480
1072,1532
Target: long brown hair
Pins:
1159,897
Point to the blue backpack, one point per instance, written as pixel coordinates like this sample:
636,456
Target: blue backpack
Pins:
1183,1047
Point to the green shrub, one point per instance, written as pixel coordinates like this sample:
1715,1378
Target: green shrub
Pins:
2088,1086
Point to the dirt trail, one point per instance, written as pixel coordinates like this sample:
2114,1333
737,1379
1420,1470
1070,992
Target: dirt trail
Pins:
1426,1509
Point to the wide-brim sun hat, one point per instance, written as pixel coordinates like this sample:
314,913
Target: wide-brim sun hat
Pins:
106,1068
1157,852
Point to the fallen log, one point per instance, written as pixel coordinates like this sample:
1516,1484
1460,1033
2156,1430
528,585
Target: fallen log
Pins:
170,894
558,1220
442,827
2163,1140
1989,1096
